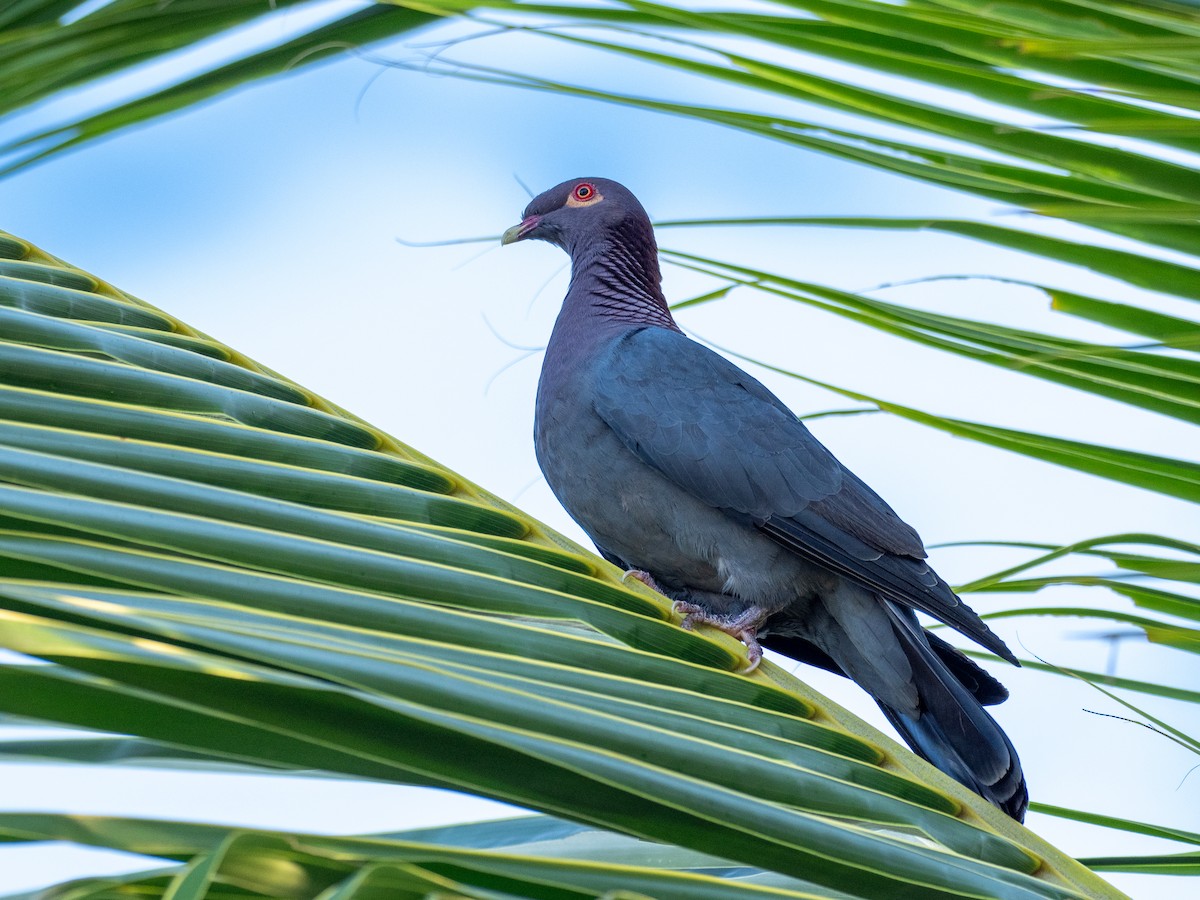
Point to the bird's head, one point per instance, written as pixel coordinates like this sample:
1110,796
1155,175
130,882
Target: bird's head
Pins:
579,213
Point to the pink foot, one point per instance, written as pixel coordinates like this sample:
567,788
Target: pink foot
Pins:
744,627
644,577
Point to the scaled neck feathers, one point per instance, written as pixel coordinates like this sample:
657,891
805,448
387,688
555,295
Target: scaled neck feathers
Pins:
618,278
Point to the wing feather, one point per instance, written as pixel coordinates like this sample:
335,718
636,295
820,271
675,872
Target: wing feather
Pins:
721,435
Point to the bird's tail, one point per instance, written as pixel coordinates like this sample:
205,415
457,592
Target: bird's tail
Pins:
951,729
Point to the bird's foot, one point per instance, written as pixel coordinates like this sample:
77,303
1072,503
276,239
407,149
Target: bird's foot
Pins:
644,577
743,627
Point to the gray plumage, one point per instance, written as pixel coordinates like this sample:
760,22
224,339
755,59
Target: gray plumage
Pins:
684,468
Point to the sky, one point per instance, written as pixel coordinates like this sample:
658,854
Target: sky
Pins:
271,219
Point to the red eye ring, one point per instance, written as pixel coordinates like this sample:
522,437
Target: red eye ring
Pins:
584,192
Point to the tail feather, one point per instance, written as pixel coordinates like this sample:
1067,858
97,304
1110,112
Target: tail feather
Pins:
952,730
983,687
949,728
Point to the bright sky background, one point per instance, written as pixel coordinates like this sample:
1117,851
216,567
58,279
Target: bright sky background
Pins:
269,220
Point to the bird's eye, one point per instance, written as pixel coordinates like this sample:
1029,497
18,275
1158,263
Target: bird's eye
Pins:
584,194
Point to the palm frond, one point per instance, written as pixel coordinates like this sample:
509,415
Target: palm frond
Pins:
265,611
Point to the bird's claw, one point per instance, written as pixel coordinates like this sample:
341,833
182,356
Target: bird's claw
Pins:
644,577
691,615
737,628
754,651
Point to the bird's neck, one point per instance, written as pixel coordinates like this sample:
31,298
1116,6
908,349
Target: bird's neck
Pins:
617,279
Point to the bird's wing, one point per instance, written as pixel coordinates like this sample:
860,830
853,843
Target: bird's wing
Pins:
722,436
710,428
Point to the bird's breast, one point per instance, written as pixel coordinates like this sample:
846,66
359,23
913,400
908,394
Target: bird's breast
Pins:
636,513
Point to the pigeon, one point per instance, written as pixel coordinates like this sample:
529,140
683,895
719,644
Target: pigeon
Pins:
693,477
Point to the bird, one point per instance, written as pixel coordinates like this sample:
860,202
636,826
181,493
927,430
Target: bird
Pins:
692,476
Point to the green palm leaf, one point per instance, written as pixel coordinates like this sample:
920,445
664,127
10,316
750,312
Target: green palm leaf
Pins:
195,543
269,612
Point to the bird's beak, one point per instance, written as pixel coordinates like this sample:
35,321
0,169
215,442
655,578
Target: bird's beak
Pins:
520,232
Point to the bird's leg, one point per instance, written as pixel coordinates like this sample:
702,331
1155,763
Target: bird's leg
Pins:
644,577
743,626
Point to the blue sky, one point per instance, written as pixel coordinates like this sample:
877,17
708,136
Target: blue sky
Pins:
269,219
